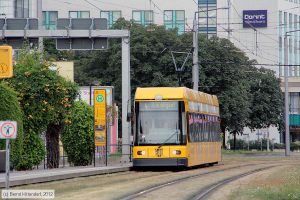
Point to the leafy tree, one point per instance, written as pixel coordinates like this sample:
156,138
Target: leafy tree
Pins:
223,73
45,99
78,135
10,110
267,99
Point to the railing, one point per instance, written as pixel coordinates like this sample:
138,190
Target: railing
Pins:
102,157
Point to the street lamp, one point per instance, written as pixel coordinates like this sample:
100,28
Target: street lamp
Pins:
286,93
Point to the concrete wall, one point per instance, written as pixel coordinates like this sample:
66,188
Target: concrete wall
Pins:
65,69
6,8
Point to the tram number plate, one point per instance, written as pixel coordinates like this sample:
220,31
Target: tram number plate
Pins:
159,152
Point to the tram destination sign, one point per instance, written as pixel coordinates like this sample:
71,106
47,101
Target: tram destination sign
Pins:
255,18
159,106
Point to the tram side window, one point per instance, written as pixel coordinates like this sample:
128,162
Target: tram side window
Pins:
203,128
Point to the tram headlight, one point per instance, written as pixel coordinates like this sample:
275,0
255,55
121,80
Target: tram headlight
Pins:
177,152
141,153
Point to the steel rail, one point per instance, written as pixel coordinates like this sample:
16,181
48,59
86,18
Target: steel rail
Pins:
207,191
162,185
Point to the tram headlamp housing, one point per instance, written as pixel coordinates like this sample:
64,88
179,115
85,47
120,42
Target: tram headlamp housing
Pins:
177,152
141,153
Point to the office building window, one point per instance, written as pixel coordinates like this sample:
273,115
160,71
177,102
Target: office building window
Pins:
49,19
175,19
207,16
285,21
143,17
111,16
22,8
79,14
296,68
280,57
296,45
298,55
294,102
280,43
290,21
291,68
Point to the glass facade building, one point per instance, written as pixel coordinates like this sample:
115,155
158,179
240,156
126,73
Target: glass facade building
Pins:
290,22
207,16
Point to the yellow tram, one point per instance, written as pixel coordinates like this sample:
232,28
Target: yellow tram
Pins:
175,126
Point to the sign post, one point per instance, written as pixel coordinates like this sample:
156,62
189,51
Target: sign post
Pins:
100,117
6,64
8,130
7,165
100,125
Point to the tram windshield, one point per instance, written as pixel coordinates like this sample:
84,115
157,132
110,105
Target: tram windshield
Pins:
159,123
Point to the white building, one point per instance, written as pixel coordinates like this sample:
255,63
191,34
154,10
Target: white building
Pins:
263,41
178,13
265,44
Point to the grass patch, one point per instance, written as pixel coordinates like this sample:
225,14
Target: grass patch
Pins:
237,152
283,185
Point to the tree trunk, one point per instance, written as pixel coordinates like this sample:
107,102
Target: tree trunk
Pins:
234,141
52,144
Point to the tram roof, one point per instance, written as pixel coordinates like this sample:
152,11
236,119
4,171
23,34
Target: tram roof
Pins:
175,93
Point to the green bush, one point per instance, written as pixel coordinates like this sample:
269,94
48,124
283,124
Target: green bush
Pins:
240,144
253,145
295,146
279,146
78,135
33,151
10,110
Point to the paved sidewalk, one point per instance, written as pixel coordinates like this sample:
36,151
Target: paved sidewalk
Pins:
40,176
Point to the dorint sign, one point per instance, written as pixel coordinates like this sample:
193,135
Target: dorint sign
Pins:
255,18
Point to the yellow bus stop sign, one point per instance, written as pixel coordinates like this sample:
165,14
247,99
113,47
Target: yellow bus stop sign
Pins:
6,62
100,117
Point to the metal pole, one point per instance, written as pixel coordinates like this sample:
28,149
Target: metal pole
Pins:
286,98
106,153
126,127
248,142
40,18
228,20
7,165
91,94
195,74
268,142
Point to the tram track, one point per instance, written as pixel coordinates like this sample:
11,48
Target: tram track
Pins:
207,191
182,179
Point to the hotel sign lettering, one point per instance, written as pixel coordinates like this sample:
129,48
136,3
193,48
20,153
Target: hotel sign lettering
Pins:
255,18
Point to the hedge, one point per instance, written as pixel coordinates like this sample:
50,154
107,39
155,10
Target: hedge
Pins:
78,135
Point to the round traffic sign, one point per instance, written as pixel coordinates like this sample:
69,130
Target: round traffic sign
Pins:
8,130
100,98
